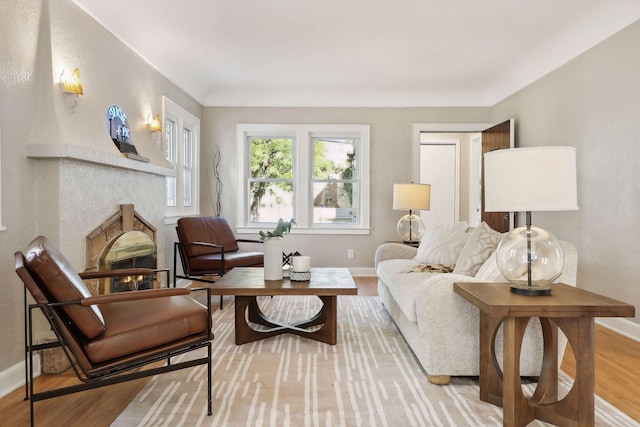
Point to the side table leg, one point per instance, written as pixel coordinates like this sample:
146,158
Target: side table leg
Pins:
577,407
490,379
585,366
516,409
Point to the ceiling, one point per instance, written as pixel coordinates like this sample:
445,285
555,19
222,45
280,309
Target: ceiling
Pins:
358,52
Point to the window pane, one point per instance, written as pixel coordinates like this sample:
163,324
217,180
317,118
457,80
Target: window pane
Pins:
271,158
187,154
171,141
271,179
334,158
186,187
187,162
270,201
333,202
171,191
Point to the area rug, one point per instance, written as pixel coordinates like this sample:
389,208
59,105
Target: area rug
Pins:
370,378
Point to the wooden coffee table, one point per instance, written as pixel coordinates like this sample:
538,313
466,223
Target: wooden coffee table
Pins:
247,283
569,308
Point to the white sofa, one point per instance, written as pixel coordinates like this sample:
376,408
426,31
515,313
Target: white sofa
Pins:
440,326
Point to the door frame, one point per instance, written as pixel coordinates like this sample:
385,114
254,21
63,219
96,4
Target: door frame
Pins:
417,128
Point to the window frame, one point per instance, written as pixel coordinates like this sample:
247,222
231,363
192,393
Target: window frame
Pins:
303,136
183,120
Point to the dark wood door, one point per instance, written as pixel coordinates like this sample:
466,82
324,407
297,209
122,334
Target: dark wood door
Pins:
497,137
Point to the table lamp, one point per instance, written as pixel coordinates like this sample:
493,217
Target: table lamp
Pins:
530,179
411,197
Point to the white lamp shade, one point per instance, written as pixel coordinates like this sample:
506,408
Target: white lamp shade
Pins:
412,197
530,179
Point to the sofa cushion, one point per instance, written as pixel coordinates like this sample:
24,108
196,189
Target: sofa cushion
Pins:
133,326
441,244
480,244
489,271
404,285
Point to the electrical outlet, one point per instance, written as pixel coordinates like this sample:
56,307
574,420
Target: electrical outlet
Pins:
349,253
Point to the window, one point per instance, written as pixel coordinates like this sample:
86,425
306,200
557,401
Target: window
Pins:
317,174
181,139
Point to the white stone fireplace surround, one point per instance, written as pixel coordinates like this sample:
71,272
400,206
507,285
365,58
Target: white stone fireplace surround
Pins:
79,188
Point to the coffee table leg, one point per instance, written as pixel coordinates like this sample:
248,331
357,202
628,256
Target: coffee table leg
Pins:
247,307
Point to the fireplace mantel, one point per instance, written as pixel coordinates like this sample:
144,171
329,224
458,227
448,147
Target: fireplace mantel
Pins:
87,155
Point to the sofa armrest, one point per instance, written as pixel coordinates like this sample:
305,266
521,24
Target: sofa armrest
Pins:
394,251
438,301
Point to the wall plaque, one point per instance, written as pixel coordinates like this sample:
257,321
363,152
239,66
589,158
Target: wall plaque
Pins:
120,133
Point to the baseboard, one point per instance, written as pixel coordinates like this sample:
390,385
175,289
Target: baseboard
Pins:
13,378
363,271
621,326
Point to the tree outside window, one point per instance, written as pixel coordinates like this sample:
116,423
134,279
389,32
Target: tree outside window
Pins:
271,182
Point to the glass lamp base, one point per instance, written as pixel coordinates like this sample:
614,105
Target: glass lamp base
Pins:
410,228
530,258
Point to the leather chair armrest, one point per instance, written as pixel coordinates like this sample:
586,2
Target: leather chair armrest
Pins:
87,275
212,245
249,241
134,295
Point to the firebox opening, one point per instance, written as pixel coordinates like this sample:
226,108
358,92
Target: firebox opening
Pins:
133,249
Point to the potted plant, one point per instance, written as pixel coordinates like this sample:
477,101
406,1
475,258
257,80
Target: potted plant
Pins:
273,249
281,229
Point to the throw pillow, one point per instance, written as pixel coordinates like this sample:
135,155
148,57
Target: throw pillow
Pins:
482,242
441,244
489,271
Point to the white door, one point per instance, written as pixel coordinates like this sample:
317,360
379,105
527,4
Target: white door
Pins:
439,167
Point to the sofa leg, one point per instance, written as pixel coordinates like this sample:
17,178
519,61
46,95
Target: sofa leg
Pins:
439,379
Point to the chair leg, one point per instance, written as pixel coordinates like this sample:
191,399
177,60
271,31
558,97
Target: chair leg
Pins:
220,302
210,372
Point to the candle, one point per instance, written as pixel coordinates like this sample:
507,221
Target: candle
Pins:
301,263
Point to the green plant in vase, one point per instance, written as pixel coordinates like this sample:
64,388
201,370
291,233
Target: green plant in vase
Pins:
281,229
273,249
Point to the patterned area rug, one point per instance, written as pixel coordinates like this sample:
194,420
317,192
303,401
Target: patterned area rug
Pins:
370,378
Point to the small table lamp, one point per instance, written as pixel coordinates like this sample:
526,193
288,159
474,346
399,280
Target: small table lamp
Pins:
411,197
530,179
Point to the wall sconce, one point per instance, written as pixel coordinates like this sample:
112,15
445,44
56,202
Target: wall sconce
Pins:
154,124
71,83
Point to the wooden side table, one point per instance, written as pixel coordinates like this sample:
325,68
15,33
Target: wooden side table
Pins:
568,308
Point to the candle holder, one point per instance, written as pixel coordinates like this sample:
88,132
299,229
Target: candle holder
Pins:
300,276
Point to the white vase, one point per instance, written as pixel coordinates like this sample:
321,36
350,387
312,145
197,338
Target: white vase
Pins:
273,259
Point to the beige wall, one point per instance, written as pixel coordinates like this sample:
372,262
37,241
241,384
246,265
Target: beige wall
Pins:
593,103
390,162
37,37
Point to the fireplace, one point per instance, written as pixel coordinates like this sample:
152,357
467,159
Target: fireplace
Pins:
124,240
133,249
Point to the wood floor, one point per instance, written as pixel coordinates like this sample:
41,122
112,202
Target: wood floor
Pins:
617,381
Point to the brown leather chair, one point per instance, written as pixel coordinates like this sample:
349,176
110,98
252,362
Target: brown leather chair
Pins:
208,247
107,338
